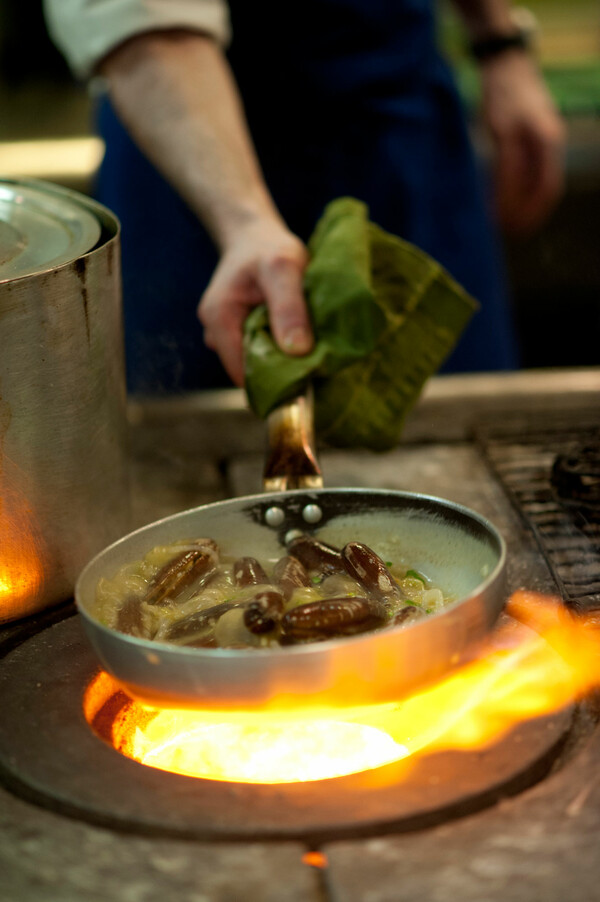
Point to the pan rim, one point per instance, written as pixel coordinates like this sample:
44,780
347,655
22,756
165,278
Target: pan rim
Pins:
310,648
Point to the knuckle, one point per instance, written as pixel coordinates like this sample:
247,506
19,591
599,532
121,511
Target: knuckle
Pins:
210,311
552,131
281,262
287,258
209,340
558,135
204,314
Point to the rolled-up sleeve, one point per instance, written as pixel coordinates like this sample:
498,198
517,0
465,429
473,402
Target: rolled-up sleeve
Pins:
86,30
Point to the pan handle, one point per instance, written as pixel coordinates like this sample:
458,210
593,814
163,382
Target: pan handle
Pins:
291,457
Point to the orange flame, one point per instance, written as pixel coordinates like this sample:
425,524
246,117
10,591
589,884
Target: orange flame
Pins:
536,663
21,571
315,859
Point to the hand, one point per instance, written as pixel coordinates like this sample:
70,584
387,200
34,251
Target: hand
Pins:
529,139
263,263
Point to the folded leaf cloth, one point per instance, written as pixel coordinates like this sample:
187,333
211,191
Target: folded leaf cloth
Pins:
385,316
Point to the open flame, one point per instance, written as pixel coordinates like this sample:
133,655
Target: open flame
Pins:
269,752
536,663
21,571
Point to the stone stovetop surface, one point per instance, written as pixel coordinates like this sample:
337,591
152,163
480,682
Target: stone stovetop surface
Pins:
538,845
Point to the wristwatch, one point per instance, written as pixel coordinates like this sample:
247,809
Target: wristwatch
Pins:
496,44
519,37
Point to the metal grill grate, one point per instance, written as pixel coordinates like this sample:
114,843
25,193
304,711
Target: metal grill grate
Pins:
523,451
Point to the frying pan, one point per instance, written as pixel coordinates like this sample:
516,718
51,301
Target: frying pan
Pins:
456,548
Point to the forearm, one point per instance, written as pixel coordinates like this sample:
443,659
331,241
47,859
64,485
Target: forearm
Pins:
175,94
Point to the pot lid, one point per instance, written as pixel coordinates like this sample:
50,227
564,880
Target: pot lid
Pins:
41,228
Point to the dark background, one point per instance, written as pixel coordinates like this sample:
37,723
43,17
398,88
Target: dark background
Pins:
554,275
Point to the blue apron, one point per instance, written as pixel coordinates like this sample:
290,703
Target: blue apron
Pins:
343,97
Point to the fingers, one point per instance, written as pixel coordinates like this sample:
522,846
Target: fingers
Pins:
529,178
546,176
529,139
509,178
222,311
256,271
281,279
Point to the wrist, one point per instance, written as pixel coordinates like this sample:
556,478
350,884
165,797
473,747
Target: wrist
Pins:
512,35
229,223
496,44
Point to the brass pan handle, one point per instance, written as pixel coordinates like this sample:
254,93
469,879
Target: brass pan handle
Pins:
291,457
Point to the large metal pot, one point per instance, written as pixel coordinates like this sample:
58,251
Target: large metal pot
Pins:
460,550
63,478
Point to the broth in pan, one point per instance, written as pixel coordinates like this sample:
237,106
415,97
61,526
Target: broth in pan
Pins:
190,593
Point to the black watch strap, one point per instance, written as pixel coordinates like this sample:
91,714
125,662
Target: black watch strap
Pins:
496,44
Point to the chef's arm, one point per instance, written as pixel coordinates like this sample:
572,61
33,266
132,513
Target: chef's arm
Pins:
176,95
527,132
484,17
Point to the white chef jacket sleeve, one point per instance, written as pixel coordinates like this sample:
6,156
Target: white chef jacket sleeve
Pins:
86,30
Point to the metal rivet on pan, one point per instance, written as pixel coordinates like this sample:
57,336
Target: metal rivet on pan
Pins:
291,535
274,516
312,513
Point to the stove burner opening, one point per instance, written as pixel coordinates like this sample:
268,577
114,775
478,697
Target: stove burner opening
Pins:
50,673
243,747
538,661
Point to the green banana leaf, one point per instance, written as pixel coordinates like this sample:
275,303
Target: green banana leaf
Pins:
385,316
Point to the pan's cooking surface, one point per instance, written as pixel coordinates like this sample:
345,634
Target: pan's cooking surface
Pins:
457,548
538,845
